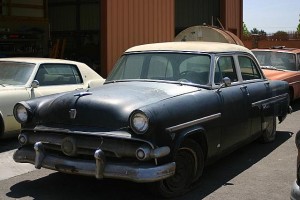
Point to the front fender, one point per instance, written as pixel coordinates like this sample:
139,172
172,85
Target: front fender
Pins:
197,133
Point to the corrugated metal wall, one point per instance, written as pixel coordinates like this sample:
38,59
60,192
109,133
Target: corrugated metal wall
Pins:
60,21
232,16
196,12
21,8
127,23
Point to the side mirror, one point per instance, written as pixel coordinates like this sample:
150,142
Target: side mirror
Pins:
227,81
35,84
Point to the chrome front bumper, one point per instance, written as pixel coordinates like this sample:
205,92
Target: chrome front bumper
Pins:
98,167
295,193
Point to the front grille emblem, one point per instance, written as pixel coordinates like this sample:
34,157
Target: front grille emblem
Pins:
72,113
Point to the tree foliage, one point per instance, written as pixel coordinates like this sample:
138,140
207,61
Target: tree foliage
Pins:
282,35
255,31
245,30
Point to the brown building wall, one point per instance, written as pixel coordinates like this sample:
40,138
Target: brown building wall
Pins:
251,44
127,23
232,16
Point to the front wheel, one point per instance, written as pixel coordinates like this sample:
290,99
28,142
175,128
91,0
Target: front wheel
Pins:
189,167
269,132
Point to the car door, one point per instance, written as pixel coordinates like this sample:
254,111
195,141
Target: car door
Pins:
234,99
257,89
57,78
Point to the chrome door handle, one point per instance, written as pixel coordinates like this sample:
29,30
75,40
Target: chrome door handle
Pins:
245,89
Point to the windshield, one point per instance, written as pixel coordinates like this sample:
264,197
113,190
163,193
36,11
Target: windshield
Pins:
279,60
180,67
15,73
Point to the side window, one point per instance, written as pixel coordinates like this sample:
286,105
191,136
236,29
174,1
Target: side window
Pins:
249,70
159,68
58,74
225,68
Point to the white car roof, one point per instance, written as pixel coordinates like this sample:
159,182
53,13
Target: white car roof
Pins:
37,60
190,47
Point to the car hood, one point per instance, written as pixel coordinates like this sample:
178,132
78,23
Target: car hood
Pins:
108,106
279,75
11,87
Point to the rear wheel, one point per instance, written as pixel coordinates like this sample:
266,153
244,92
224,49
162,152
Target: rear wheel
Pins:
269,133
189,167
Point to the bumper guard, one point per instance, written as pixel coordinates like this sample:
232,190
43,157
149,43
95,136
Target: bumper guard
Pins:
99,167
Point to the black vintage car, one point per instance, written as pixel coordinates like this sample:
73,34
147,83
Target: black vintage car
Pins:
164,112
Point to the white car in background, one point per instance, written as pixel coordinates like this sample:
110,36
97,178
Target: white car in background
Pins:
27,78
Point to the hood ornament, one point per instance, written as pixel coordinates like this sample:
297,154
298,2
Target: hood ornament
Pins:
73,113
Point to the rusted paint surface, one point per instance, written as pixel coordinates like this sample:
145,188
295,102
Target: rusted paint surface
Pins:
208,33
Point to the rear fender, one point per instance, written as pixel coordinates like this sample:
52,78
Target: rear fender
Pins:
278,106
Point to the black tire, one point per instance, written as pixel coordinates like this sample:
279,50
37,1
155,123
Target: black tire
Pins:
269,134
189,167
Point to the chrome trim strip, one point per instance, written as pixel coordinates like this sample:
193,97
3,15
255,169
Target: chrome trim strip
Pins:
271,100
118,134
295,82
194,122
112,134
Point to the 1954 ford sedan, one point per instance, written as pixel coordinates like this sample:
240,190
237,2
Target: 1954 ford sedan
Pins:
164,112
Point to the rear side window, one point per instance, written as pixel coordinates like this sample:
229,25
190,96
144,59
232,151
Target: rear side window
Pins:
58,74
248,68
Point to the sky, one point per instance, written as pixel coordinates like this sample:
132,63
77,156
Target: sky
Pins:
271,15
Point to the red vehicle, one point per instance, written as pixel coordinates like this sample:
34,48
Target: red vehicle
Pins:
281,63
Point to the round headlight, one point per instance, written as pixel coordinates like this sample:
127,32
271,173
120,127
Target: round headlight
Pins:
21,113
139,122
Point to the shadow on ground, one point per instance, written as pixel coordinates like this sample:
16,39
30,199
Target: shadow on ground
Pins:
220,173
62,186
295,105
8,144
